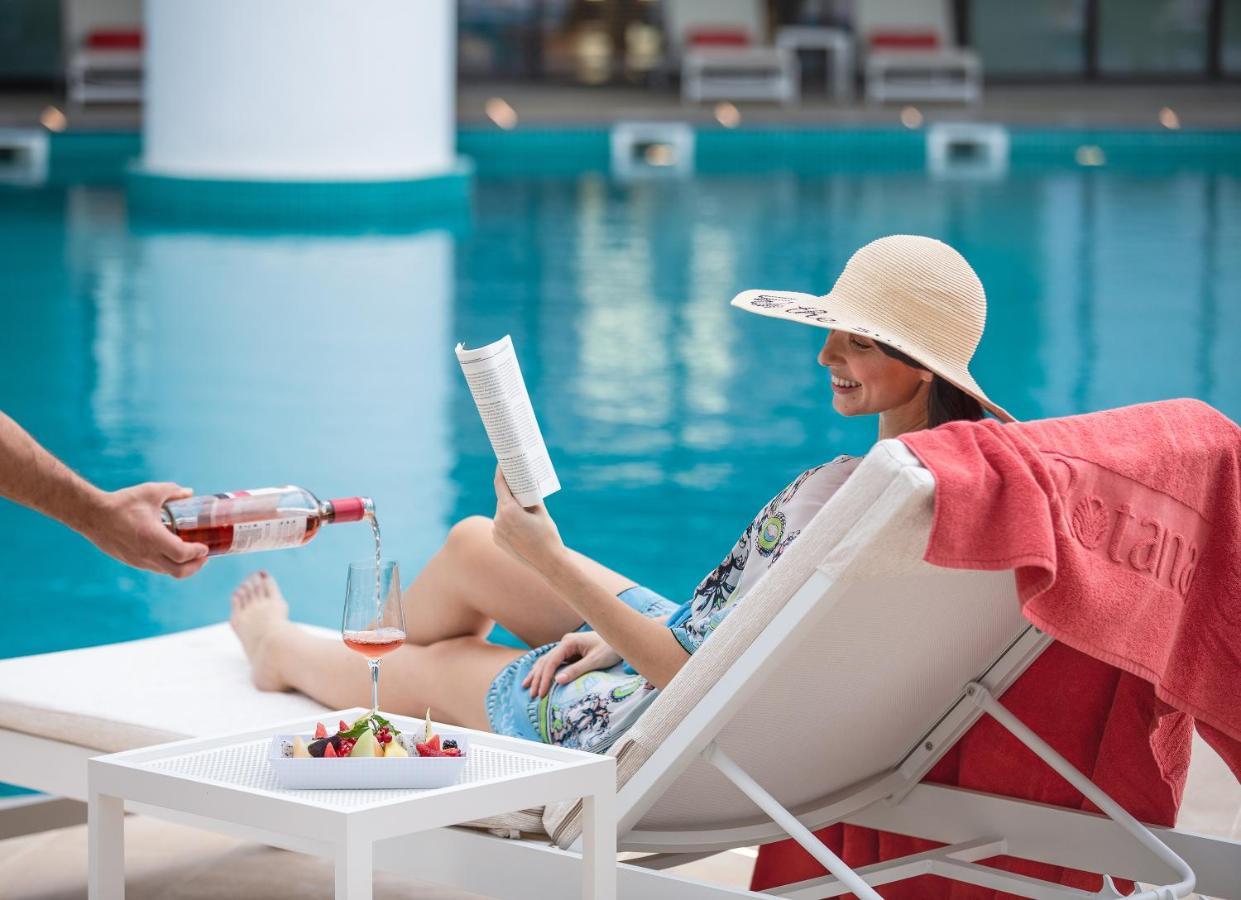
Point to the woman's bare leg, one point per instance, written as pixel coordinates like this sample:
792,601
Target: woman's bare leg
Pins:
450,677
471,583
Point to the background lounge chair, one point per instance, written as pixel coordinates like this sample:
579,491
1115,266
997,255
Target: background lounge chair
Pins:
106,67
909,52
725,53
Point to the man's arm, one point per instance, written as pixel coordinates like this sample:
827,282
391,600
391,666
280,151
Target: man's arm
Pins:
124,524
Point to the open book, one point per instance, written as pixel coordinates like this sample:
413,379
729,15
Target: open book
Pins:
500,395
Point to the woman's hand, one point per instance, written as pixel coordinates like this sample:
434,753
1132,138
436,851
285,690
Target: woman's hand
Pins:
585,652
527,533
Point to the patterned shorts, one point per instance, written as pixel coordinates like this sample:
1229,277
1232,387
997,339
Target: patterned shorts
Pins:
512,711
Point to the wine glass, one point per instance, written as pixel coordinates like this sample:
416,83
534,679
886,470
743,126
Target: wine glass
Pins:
374,623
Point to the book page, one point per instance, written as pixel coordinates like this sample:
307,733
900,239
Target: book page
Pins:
503,403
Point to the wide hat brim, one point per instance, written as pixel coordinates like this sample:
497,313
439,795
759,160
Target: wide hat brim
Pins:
837,313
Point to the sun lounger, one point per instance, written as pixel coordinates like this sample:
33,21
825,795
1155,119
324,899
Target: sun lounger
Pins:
106,68
725,52
909,53
824,697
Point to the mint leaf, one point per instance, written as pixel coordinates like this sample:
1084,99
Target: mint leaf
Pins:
371,723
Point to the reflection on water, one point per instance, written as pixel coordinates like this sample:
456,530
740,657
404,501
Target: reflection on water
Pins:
227,360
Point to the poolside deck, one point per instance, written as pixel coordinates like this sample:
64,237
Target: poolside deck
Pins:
1197,106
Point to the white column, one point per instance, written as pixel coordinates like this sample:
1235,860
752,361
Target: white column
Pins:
300,89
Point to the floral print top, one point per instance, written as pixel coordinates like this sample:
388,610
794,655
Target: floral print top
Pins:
766,538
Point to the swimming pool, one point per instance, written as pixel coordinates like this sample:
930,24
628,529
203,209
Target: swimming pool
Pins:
228,357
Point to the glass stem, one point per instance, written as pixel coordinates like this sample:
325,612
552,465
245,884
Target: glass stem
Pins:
374,664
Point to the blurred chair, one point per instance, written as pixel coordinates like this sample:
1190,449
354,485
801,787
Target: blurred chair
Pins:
909,52
106,68
724,54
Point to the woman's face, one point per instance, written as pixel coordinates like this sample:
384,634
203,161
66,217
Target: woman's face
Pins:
866,381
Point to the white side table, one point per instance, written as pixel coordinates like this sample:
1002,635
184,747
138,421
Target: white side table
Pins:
226,784
836,45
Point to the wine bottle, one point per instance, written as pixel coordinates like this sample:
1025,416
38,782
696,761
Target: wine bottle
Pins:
265,519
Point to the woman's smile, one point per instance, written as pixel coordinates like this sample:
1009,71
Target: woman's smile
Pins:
844,385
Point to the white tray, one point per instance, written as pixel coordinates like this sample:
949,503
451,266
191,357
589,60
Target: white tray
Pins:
364,773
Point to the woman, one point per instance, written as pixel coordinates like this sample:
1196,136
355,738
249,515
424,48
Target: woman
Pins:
905,317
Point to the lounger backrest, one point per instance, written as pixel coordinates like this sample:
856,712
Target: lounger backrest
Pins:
827,673
685,18
905,17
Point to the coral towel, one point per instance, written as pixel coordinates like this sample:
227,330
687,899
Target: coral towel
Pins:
1124,528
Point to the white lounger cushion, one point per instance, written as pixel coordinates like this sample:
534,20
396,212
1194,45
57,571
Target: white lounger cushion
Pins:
121,696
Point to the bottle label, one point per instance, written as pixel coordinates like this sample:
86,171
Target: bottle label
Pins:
271,534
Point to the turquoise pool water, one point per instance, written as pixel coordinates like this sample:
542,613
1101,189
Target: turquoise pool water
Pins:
229,357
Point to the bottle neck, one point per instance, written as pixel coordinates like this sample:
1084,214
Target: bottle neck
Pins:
348,509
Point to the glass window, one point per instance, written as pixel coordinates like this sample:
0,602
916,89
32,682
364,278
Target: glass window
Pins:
1035,37
1230,40
29,40
1153,37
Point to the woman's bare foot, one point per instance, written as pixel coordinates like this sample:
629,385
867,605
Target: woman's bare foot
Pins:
259,614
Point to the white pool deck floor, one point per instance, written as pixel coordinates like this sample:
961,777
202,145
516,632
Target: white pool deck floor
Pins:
172,862
1210,105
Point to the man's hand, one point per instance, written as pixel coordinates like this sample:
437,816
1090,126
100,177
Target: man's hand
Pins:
585,652
527,533
126,524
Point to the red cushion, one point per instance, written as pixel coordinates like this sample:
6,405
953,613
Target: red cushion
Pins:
114,39
717,37
904,40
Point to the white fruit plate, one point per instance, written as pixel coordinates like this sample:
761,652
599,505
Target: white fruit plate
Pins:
367,772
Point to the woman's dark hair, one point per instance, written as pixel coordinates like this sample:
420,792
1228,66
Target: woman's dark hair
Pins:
946,402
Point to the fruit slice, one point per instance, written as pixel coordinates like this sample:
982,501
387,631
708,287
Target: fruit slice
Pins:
394,749
343,726
428,732
330,752
299,749
318,748
320,731
430,748
452,751
366,746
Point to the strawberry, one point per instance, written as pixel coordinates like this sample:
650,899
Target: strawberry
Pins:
343,726
330,752
320,731
452,751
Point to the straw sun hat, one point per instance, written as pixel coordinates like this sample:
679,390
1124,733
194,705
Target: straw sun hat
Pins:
915,294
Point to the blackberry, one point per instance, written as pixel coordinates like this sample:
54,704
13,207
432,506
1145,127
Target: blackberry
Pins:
449,744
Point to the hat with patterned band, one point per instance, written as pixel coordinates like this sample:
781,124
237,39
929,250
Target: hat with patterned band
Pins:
915,294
